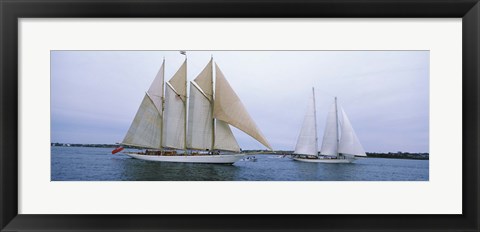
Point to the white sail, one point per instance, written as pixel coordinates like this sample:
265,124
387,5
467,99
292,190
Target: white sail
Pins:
224,139
330,135
200,120
179,81
175,111
349,143
145,130
204,80
307,140
229,108
155,92
174,121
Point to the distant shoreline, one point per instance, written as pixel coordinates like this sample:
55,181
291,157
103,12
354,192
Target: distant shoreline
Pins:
389,155
399,155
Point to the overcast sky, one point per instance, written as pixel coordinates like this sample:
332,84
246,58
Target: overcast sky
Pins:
95,94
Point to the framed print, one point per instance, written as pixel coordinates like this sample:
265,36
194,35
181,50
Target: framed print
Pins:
268,115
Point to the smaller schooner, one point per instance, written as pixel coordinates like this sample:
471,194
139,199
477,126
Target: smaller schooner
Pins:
168,133
340,143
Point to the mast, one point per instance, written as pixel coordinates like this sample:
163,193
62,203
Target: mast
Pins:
185,109
336,123
163,105
211,108
315,117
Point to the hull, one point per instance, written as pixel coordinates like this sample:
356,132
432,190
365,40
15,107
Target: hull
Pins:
206,159
327,161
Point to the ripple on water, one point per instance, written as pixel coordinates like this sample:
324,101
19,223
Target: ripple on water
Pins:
97,164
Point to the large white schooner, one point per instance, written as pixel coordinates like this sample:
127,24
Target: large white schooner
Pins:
340,143
163,127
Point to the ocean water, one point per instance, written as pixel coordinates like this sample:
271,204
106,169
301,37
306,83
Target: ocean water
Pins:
98,164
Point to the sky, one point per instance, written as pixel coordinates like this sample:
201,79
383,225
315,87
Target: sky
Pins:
385,94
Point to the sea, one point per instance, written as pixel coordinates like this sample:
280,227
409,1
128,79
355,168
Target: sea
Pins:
98,164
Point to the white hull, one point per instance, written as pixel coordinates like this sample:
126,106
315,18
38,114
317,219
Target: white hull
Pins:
328,161
210,159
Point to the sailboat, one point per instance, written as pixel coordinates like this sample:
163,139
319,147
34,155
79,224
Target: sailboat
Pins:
340,143
170,133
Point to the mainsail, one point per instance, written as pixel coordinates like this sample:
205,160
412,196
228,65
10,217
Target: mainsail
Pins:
330,135
349,143
228,108
145,130
307,140
200,119
175,110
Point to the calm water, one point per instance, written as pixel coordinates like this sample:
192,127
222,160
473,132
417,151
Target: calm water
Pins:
97,164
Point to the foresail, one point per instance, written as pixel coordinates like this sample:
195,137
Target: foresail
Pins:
349,143
330,136
200,120
174,120
224,139
229,108
155,92
307,140
146,128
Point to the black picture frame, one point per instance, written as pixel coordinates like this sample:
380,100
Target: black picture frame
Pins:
11,11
